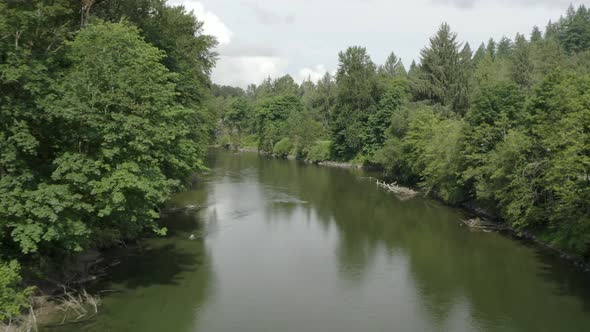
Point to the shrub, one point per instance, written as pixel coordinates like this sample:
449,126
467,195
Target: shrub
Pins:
320,151
283,148
250,142
12,297
224,141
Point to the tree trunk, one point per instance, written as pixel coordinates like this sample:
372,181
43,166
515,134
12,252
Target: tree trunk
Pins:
85,11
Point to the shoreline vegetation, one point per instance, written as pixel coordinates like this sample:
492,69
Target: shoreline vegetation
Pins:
107,108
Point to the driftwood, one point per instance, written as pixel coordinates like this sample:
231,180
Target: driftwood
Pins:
339,164
401,192
187,208
479,224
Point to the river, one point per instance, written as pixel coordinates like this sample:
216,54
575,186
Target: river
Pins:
285,246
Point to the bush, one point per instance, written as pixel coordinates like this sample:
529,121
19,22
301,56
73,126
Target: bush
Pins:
393,158
224,141
359,160
283,148
250,142
12,298
320,151
442,160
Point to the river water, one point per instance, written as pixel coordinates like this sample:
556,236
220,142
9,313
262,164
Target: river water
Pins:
284,246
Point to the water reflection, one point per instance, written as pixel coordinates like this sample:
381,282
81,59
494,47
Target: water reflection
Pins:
295,247
463,280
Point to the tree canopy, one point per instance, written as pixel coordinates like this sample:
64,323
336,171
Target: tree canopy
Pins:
102,117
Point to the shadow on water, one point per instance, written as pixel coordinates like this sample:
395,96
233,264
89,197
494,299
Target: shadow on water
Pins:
157,288
568,279
167,265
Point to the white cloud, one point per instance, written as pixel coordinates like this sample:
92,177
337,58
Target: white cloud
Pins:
213,25
404,26
314,74
244,70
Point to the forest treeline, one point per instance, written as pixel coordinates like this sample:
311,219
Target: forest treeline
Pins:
505,126
102,117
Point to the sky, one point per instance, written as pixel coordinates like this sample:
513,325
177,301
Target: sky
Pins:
262,38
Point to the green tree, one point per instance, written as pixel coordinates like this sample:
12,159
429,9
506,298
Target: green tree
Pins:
561,120
271,118
97,125
283,148
480,54
393,66
547,55
440,79
575,30
237,119
496,110
189,52
522,63
13,298
394,155
509,179
463,87
303,132
491,48
285,85
504,49
443,161
536,35
32,34
378,122
356,100
124,145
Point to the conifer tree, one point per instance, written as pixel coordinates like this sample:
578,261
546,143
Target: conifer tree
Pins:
491,48
393,66
479,54
440,75
551,31
504,48
522,64
536,34
575,35
463,86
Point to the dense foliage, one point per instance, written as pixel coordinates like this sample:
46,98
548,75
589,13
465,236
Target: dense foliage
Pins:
12,297
506,127
101,118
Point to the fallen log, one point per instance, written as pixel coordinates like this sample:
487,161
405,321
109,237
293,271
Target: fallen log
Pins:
479,224
404,192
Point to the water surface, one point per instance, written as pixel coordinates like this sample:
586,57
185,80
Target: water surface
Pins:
292,247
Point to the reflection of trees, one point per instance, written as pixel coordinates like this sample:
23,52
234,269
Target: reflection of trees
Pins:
499,279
